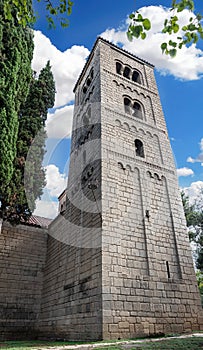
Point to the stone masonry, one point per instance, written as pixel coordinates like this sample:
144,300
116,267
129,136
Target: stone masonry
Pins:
22,261
118,261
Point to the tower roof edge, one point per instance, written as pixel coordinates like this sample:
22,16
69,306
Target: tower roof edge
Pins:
115,47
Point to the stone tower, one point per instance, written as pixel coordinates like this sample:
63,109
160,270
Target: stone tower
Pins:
118,261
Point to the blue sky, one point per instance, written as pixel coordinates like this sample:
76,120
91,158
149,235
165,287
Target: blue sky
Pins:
179,82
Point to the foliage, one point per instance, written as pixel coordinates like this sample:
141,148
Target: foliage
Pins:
28,179
186,35
189,343
16,50
61,11
138,27
199,276
194,219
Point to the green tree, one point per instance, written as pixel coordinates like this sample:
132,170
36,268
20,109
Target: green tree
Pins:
138,28
194,219
185,35
28,179
199,276
60,9
16,51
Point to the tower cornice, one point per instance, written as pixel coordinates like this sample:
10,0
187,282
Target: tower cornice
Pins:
113,46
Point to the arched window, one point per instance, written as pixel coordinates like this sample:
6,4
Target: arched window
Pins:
89,113
88,82
118,67
136,77
126,73
85,120
84,156
139,148
84,90
127,105
137,111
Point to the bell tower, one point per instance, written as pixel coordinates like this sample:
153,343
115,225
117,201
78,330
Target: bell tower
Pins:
123,249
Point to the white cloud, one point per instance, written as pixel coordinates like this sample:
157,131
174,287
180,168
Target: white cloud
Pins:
201,145
46,209
190,160
185,172
194,190
59,123
56,182
199,158
187,65
47,206
66,66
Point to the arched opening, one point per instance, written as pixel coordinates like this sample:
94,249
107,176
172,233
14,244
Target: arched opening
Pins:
84,156
88,82
127,105
85,120
92,73
137,111
118,67
139,148
84,90
89,113
126,73
136,77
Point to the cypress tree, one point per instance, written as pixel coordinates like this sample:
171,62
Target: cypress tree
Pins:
28,179
16,51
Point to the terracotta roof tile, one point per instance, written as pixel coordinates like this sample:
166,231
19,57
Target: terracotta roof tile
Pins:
38,221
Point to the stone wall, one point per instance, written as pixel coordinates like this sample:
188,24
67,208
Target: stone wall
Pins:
117,262
22,261
71,299
148,279
72,292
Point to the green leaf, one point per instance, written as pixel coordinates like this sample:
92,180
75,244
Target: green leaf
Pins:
53,11
176,28
191,5
172,52
163,47
195,38
132,15
199,16
165,30
129,35
143,35
174,19
69,11
188,36
136,31
191,27
147,24
64,23
172,43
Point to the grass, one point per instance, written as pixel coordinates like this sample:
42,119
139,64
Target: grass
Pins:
34,344
194,343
